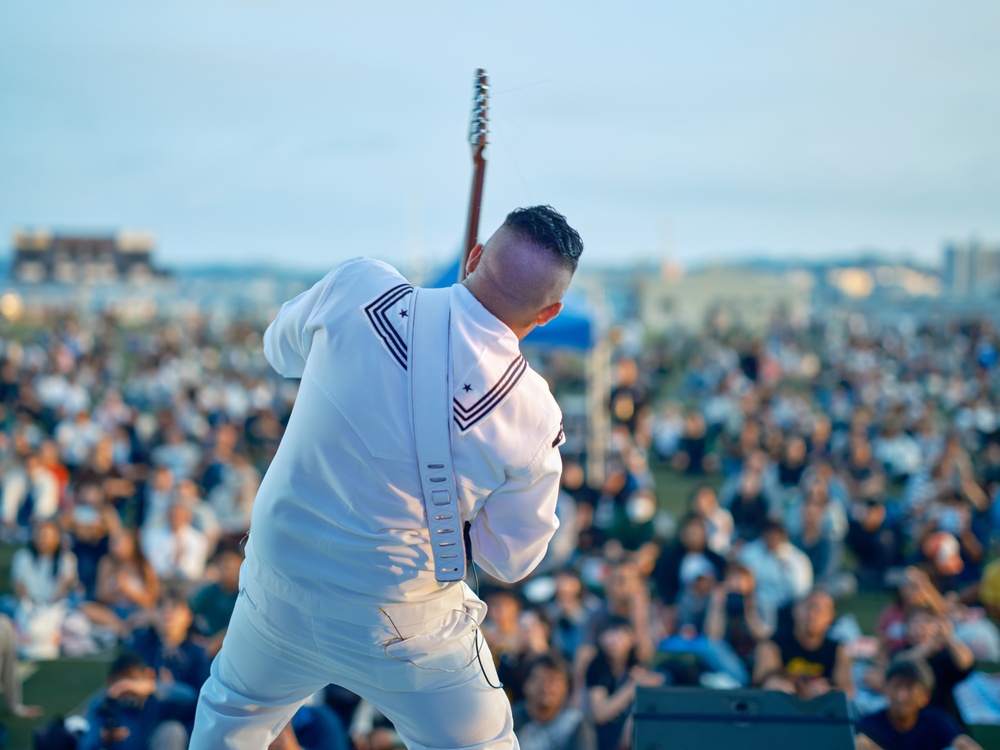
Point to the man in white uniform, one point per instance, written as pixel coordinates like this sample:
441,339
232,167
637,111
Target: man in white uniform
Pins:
339,582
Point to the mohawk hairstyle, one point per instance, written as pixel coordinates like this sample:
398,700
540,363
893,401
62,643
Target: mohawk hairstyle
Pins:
545,226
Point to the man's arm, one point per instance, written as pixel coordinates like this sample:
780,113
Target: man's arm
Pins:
842,678
289,337
798,570
864,742
767,660
961,655
965,742
512,530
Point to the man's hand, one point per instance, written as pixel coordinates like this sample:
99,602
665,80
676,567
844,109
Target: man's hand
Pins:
645,678
112,736
863,742
23,711
965,742
139,686
814,687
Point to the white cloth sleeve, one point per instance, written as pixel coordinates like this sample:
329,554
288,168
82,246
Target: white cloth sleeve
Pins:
194,552
68,568
288,339
512,530
799,571
20,568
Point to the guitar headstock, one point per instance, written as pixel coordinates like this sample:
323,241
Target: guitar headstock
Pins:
477,129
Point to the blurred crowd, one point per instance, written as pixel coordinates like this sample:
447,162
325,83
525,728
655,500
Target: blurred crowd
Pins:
797,470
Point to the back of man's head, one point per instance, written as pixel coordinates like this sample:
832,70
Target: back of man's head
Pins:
547,228
127,664
525,267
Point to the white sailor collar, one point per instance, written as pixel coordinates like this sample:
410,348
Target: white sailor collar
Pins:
486,359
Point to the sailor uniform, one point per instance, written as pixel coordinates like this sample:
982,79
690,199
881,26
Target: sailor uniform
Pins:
339,582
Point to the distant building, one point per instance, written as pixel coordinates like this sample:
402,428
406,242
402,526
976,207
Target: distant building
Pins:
972,269
40,255
741,297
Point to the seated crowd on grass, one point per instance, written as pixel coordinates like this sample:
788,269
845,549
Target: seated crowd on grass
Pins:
817,462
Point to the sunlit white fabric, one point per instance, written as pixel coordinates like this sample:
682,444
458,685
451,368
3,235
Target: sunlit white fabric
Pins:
339,514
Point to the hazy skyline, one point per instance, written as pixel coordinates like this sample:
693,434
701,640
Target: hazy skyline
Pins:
306,132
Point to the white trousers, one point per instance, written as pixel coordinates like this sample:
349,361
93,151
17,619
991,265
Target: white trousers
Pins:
416,663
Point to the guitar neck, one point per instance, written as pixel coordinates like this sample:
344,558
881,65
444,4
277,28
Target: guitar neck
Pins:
472,221
477,139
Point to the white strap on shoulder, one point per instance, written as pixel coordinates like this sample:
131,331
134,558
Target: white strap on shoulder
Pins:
430,392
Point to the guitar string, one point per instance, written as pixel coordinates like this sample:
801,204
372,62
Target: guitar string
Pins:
525,86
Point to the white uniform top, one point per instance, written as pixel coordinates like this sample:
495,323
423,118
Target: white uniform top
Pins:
339,515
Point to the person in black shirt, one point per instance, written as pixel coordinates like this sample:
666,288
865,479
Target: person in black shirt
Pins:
691,548
909,723
628,400
139,711
612,678
932,638
693,450
750,507
806,661
166,646
863,474
733,616
793,462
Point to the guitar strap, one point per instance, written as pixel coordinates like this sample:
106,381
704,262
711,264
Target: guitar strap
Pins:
430,394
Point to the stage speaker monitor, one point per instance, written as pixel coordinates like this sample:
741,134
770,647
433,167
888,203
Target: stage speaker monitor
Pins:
700,719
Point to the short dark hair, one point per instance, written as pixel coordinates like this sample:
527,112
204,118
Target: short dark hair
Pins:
545,226
914,670
613,622
692,518
172,594
226,549
126,663
773,526
551,660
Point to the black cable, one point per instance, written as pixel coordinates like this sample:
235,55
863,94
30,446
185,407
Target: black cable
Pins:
479,657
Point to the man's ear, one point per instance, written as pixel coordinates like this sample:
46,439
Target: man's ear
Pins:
475,255
549,313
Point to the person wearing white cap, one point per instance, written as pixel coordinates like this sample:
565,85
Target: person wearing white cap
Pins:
339,583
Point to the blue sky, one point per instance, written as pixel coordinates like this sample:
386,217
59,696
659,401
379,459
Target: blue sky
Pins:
304,132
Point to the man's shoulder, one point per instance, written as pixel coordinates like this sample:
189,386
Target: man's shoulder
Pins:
935,721
497,390
174,693
156,532
933,724
790,553
877,721
537,389
208,594
753,552
367,272
359,280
